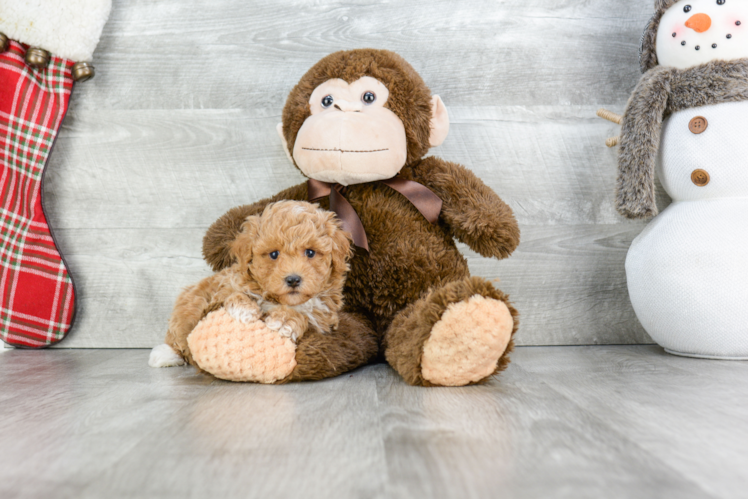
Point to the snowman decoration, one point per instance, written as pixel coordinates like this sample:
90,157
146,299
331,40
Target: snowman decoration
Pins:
687,120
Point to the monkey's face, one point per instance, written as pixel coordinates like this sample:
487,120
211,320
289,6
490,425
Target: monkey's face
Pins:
350,137
360,116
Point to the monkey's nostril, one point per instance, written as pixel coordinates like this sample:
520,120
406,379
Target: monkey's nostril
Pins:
293,281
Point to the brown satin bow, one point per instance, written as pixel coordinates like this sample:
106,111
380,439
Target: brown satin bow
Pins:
429,204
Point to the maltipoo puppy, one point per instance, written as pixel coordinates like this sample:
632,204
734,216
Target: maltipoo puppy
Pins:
289,272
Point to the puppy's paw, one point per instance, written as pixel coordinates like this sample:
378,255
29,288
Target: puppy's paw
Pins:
242,308
285,329
287,322
163,355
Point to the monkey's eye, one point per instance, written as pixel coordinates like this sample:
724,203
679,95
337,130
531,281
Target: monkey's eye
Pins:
310,253
274,254
368,97
327,101
720,2
687,8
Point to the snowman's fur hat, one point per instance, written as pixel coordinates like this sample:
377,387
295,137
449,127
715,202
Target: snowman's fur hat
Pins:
648,45
662,91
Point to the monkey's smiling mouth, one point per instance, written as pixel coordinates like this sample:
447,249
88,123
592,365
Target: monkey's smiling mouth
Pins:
347,150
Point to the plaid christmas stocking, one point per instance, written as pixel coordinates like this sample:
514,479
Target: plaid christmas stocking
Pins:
37,298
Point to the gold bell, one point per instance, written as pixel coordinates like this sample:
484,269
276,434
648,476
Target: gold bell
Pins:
4,42
83,71
37,58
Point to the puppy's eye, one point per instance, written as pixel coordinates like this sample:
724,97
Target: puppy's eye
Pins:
274,254
368,97
687,8
310,253
327,101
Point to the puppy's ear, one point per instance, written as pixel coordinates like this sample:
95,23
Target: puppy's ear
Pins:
241,247
342,250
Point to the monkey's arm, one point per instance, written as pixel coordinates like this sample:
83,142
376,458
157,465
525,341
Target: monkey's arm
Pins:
474,213
222,232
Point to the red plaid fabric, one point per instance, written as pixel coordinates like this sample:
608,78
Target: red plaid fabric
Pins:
37,291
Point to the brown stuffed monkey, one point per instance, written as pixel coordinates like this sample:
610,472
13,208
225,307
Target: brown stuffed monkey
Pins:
358,125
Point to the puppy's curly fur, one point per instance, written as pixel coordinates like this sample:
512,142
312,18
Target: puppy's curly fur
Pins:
290,269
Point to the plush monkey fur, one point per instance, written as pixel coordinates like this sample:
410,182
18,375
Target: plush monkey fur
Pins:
413,272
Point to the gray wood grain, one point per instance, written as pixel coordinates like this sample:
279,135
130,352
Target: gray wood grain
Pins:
179,126
229,54
515,438
670,408
611,421
129,278
184,168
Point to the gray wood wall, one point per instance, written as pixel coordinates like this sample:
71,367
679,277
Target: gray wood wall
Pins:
179,125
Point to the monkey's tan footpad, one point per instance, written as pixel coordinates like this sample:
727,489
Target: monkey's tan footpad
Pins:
242,352
467,342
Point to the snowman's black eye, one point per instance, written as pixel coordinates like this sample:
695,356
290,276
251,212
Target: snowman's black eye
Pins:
368,97
720,2
683,42
714,45
327,101
687,8
737,23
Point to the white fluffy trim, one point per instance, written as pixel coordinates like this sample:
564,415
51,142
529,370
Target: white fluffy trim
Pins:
66,28
163,355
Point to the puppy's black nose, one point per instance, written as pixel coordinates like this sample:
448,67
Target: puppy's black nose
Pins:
293,281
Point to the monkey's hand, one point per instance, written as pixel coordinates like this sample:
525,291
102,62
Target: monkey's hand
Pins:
288,322
242,308
474,212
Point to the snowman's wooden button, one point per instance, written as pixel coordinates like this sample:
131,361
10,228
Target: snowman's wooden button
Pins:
697,124
700,177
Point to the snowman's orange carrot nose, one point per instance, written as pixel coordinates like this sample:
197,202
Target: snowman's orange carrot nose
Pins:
699,22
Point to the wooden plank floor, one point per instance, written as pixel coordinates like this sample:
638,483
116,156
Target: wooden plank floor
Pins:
616,421
179,126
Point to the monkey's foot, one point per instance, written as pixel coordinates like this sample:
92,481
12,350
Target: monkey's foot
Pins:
466,344
241,351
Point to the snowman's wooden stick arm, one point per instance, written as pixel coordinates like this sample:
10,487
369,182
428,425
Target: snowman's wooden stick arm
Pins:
615,118
610,116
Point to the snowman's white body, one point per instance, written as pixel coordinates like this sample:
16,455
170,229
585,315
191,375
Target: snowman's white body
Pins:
687,271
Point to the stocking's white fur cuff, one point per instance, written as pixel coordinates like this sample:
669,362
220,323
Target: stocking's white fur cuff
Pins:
66,28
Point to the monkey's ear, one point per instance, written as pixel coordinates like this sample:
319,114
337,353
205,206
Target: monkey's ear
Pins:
241,247
279,129
439,121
